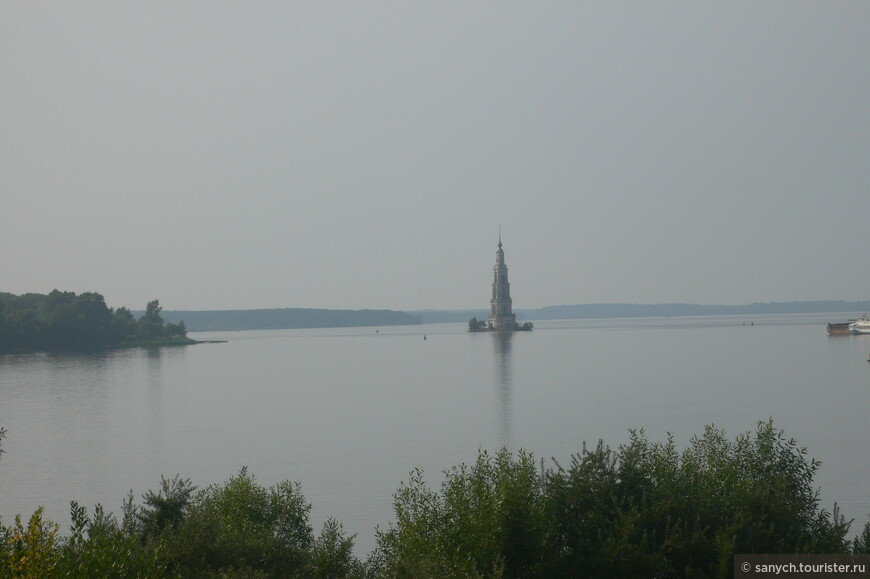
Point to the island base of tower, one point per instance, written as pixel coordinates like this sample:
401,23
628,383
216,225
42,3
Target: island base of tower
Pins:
475,325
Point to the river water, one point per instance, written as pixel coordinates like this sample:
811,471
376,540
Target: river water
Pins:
349,412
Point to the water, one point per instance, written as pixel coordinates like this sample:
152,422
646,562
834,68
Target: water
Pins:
350,411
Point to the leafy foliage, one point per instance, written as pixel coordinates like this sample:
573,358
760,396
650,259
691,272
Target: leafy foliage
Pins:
475,325
164,510
244,527
645,509
332,554
30,551
151,324
659,512
66,321
98,547
861,544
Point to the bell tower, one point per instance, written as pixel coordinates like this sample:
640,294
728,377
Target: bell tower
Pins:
501,316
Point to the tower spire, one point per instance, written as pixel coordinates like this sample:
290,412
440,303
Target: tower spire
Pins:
501,316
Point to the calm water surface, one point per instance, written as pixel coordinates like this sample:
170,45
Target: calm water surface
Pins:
350,411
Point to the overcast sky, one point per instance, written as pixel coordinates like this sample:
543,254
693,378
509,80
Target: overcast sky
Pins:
229,155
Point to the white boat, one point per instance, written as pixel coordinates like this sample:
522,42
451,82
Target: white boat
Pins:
860,326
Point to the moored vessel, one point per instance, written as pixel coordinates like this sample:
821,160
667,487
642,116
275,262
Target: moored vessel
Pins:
840,329
860,326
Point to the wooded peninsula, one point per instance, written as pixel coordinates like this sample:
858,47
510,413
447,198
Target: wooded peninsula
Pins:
66,321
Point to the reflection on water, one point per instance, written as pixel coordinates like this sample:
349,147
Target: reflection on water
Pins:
504,383
154,399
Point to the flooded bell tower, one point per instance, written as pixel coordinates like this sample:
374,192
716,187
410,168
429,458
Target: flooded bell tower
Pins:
501,316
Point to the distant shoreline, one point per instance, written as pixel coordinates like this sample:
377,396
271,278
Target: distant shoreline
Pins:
287,319
622,310
300,318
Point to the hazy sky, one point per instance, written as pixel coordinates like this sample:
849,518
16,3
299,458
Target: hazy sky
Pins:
224,155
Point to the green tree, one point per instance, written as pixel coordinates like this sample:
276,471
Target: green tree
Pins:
56,299
240,528
93,320
98,547
165,509
124,326
650,510
332,554
475,325
861,544
23,330
150,323
30,551
178,330
487,521
643,510
4,326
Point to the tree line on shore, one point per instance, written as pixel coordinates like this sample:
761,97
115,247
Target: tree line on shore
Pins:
645,509
66,321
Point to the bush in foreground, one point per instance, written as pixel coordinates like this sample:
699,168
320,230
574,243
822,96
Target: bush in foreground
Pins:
642,510
235,529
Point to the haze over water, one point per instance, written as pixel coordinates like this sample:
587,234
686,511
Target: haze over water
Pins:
350,411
